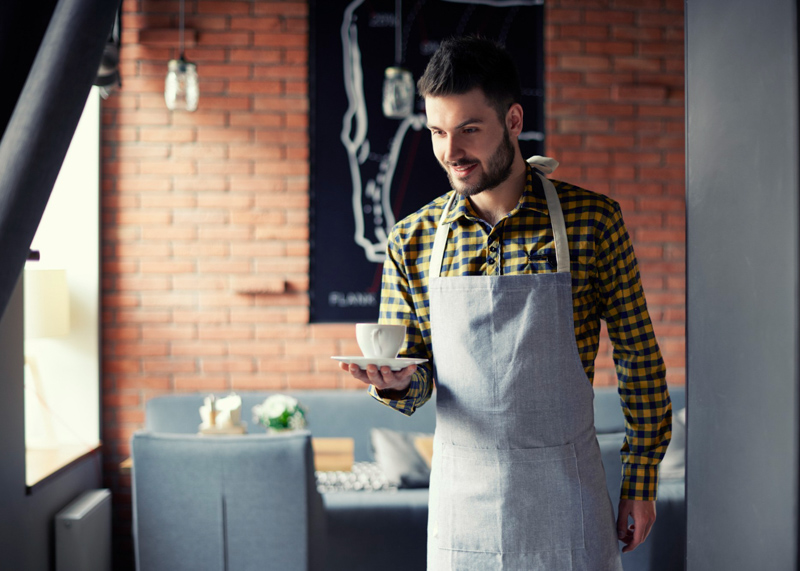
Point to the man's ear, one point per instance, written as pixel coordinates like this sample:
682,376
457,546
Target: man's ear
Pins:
514,119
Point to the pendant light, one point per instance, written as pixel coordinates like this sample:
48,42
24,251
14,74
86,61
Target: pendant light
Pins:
181,89
398,83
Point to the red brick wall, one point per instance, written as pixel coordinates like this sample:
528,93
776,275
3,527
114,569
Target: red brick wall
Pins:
200,207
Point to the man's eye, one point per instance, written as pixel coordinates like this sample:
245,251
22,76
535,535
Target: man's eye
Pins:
469,130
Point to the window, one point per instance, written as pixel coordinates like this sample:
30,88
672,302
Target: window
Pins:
62,370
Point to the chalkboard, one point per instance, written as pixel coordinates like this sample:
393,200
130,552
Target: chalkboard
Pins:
369,170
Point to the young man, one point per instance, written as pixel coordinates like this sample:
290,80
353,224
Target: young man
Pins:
502,283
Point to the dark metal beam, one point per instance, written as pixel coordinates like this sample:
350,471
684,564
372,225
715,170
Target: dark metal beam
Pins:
41,126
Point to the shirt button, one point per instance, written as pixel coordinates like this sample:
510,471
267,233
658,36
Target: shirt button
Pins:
490,261
492,249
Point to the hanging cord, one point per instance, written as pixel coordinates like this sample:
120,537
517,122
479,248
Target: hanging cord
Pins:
398,32
180,31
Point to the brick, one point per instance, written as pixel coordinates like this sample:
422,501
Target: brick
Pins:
638,33
224,266
227,8
261,381
206,183
226,103
582,31
286,40
256,348
223,299
647,93
197,283
195,348
612,48
141,349
600,141
282,168
226,135
270,120
293,87
661,49
256,153
661,19
295,56
195,250
226,233
170,135
228,332
263,56
283,9
587,125
564,15
585,93
256,24
584,62
282,103
201,383
662,111
224,39
609,16
277,72
167,267
170,365
167,332
225,168
652,64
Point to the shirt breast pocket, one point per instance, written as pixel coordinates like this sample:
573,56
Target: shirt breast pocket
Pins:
542,263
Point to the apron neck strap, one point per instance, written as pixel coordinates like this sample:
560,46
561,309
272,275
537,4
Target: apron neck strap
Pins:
556,220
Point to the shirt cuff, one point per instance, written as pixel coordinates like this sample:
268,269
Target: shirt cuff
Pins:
394,399
639,482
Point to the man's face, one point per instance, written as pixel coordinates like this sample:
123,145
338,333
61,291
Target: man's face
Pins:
470,142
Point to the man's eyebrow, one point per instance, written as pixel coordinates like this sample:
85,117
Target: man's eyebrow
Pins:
461,125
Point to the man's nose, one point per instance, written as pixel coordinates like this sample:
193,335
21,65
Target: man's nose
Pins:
453,152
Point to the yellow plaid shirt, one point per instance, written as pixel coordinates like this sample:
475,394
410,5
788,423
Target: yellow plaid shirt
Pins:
605,284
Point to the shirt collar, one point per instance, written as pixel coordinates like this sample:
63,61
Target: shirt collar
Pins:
532,199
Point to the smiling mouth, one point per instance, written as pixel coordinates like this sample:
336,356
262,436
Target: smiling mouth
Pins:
463,171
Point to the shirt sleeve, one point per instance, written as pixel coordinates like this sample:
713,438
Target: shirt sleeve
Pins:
397,307
641,372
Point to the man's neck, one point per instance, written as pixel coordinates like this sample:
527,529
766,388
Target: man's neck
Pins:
492,205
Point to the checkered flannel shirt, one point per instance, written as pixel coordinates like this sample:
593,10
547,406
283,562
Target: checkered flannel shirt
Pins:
605,284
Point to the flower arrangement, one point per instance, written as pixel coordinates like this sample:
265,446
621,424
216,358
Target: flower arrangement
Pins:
280,412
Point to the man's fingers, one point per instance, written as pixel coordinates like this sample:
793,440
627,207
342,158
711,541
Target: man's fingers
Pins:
622,522
383,378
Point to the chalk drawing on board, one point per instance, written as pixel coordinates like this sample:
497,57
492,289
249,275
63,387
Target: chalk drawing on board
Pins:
371,189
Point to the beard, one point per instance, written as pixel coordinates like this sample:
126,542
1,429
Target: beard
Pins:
498,169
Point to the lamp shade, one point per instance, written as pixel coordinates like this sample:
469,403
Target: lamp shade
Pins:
46,303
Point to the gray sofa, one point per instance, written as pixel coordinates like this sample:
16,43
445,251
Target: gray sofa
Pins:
386,529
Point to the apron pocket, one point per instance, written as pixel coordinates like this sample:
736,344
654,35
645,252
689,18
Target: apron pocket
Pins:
523,500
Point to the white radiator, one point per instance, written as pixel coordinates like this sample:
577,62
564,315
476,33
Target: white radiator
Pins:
83,533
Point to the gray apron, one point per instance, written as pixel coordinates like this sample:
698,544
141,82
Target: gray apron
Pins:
517,478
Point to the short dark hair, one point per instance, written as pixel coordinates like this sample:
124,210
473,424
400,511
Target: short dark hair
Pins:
463,63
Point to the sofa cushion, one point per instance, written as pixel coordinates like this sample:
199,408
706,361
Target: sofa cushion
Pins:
397,455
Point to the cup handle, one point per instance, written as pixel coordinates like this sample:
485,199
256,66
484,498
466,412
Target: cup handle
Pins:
376,342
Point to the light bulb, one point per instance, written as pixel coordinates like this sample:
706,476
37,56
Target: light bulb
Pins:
181,87
398,93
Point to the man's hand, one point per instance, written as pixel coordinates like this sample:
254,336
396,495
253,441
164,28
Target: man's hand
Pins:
383,379
643,514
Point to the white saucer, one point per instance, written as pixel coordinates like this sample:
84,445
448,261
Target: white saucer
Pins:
395,364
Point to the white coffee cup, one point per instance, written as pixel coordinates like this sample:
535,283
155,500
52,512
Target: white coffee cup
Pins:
380,341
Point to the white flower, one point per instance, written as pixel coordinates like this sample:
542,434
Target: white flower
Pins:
276,405
297,421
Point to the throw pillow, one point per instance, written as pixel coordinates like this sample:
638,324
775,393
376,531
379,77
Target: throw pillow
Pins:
396,454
